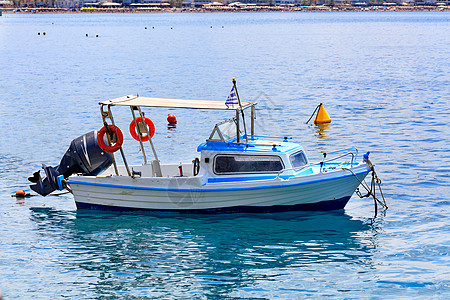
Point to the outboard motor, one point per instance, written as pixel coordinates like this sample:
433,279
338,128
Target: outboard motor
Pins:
83,156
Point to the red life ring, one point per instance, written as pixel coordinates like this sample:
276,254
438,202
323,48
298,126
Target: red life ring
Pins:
150,127
115,146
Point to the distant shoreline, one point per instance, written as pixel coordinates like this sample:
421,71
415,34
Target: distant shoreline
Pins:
26,10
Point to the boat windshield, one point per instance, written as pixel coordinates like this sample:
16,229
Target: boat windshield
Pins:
224,131
298,159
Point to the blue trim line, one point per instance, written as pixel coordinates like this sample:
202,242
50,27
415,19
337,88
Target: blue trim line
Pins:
320,206
211,190
239,179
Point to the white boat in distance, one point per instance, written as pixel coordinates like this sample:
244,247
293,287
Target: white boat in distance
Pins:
235,171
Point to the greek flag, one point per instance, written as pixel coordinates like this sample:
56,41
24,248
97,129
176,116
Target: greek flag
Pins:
232,99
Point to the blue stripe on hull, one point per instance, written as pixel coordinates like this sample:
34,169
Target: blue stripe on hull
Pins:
365,172
322,206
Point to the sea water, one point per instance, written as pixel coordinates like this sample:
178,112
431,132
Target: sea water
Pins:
383,78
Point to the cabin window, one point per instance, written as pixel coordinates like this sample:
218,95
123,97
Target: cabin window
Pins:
232,164
298,159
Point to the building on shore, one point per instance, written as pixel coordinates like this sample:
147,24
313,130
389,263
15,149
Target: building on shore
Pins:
6,4
158,4
68,3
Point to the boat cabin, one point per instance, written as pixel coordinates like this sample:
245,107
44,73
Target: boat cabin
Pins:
230,152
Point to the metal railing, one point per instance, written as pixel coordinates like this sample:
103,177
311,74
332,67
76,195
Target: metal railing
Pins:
350,151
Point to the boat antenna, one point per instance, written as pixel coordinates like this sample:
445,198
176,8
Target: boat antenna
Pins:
242,111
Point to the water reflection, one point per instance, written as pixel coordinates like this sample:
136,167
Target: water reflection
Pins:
322,130
20,201
185,255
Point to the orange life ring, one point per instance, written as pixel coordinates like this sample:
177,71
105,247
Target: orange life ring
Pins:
150,127
115,146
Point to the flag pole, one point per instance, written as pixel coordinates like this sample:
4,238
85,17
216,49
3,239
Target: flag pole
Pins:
242,111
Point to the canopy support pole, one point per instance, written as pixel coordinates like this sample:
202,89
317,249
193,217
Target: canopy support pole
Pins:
121,150
155,163
139,132
106,115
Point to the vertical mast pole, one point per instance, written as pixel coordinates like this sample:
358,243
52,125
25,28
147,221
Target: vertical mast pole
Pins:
252,129
242,111
237,127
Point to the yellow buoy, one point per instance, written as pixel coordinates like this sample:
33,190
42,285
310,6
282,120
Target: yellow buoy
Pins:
322,116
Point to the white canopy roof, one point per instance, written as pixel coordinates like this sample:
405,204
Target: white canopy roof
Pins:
132,100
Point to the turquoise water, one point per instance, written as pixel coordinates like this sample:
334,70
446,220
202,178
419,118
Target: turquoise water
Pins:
383,78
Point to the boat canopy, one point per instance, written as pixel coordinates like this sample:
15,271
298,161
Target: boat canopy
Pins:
132,100
224,131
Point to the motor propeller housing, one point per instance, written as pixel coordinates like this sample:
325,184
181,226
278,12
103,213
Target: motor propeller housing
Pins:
84,156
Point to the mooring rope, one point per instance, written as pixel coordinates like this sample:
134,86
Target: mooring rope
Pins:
370,190
313,113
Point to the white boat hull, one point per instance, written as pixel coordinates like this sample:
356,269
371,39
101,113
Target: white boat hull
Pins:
323,191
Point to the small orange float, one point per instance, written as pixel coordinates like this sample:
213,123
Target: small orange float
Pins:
21,193
171,119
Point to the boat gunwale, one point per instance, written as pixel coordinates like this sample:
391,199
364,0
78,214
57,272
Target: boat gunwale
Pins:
285,181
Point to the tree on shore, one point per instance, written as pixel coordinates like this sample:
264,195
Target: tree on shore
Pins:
176,3
376,2
17,3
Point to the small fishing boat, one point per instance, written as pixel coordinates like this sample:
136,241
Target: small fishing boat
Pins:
235,170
